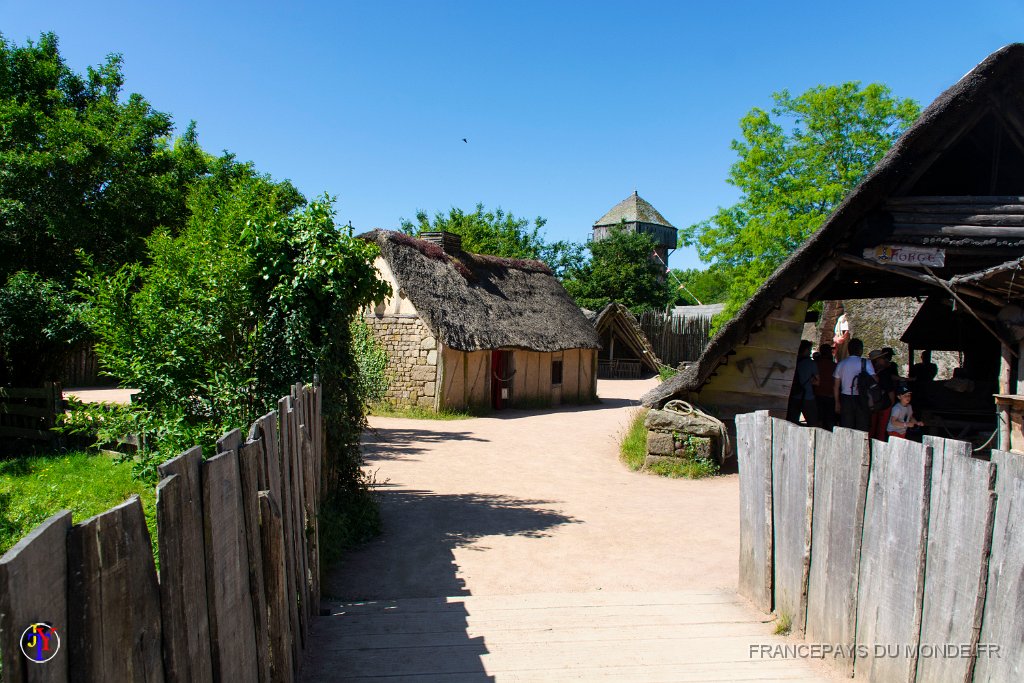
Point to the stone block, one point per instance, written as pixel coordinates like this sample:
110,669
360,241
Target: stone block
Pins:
660,443
424,373
428,343
696,447
654,459
431,357
669,421
429,388
426,402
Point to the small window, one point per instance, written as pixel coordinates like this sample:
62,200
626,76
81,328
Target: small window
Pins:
556,372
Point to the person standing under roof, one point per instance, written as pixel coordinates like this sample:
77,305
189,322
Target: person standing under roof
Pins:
801,396
823,390
841,336
885,371
852,413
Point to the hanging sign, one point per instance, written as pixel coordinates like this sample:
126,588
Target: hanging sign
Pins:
907,255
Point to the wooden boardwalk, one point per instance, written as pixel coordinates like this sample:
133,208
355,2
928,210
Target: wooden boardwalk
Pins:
639,637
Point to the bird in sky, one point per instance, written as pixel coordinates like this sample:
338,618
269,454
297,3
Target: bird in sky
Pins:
465,140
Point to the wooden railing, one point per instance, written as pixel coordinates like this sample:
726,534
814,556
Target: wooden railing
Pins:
239,581
903,558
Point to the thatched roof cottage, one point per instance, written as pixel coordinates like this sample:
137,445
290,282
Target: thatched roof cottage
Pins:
470,330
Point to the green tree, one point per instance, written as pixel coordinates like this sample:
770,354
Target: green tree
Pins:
257,291
83,167
620,269
500,234
790,180
708,285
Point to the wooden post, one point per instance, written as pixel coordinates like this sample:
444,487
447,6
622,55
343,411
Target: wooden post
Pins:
33,588
282,666
248,462
113,587
1003,411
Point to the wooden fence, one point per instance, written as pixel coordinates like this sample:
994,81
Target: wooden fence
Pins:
80,367
238,584
904,558
30,413
676,339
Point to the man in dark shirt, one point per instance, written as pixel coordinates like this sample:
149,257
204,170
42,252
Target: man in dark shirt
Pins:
801,396
823,391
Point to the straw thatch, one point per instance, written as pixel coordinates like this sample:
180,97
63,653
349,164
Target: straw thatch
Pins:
1000,77
473,302
632,209
616,319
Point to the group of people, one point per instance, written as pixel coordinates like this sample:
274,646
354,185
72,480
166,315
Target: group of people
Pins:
826,390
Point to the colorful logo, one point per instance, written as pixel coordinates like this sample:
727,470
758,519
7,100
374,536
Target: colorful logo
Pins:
40,642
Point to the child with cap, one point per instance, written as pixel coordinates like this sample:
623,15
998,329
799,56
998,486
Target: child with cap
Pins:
902,415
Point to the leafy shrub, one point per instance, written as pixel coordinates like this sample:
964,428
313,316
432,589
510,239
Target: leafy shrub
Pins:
372,362
256,292
39,321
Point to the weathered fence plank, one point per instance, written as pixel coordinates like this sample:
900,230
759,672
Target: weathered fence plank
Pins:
298,483
754,453
312,527
841,465
265,429
948,446
114,630
962,508
792,504
33,589
287,520
892,560
233,642
282,666
230,441
1002,625
186,624
249,456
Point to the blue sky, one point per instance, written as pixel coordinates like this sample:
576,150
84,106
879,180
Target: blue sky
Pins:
567,106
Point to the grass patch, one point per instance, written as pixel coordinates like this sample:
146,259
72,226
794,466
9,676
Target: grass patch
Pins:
420,413
666,372
783,625
698,468
633,449
633,452
33,488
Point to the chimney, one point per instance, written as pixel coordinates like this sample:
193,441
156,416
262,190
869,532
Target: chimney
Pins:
449,241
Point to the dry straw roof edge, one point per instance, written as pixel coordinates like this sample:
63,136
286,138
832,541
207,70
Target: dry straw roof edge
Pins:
473,302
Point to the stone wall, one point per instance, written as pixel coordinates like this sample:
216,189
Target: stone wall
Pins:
672,435
412,358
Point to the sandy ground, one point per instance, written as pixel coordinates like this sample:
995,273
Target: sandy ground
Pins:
100,394
518,548
533,502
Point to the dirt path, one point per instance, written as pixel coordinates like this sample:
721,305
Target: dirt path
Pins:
519,543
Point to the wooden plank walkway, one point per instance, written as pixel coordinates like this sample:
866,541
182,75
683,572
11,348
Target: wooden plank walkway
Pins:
639,637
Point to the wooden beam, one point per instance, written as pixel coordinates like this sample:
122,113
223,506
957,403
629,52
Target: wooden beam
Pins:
811,284
944,230
991,204
942,283
931,280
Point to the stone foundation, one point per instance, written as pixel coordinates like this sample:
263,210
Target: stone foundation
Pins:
412,358
674,435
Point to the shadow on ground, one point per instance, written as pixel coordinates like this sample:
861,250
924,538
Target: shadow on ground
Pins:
398,443
387,599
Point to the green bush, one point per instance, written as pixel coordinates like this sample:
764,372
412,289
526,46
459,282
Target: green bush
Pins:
39,322
258,291
372,361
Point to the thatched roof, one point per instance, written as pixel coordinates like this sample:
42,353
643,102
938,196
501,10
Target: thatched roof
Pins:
1001,71
473,301
633,209
618,319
